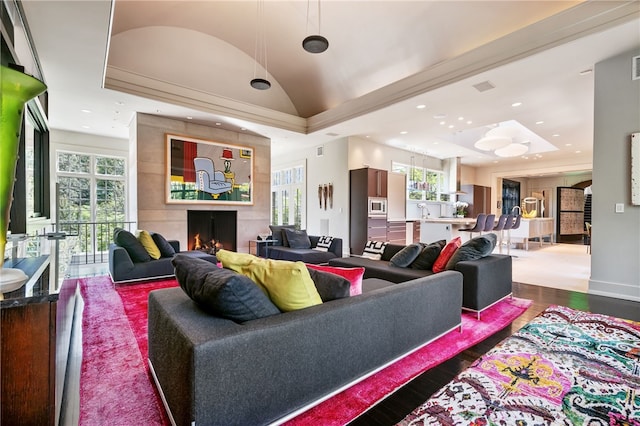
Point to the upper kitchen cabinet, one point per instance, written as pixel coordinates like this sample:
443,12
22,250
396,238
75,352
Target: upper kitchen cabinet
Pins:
478,197
376,182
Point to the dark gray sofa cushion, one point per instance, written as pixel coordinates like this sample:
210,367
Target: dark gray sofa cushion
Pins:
406,256
473,249
166,249
428,255
380,269
297,239
221,291
301,255
130,243
330,286
278,234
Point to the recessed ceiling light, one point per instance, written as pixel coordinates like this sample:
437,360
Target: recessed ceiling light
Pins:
404,132
440,116
555,135
88,111
218,124
568,144
421,106
540,122
460,118
578,152
442,123
516,104
436,143
469,122
189,117
451,126
86,127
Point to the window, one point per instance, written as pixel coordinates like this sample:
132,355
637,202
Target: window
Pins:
423,184
91,189
288,195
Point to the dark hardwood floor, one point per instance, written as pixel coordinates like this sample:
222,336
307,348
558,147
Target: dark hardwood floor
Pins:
395,407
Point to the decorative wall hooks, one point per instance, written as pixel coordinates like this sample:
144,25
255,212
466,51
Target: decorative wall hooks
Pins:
325,194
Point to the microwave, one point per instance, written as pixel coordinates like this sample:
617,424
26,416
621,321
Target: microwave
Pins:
377,207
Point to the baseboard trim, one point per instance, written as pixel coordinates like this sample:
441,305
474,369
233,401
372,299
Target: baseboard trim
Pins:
615,290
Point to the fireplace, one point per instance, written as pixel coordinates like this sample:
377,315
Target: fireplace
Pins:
211,230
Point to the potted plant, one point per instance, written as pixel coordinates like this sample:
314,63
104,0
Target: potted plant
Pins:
461,208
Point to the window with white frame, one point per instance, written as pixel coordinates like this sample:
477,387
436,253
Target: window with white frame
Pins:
423,184
288,186
91,188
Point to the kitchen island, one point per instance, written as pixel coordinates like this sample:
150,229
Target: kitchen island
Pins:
443,228
536,227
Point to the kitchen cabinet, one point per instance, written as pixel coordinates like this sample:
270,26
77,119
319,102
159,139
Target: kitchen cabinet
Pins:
478,197
397,232
376,183
365,183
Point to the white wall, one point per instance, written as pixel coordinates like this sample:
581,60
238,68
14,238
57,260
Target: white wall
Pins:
331,167
615,248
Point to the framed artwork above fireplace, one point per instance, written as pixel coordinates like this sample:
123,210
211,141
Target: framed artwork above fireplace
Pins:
207,172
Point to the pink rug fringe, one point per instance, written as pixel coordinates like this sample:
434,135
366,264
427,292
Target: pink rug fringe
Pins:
116,387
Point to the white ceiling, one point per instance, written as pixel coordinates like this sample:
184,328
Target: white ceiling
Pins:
195,59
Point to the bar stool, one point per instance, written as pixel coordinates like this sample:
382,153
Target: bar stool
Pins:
515,225
481,220
488,225
502,220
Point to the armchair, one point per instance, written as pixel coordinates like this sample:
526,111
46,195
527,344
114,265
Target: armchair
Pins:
209,180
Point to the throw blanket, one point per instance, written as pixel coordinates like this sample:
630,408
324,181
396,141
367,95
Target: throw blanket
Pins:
564,367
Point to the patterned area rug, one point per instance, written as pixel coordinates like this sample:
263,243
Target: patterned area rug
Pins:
565,367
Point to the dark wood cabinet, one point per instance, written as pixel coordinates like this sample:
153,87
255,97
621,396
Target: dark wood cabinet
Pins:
365,183
35,329
376,183
479,199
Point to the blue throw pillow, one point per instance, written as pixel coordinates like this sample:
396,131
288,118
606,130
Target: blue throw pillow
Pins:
222,292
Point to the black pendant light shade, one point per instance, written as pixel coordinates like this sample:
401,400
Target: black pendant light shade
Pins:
315,44
260,84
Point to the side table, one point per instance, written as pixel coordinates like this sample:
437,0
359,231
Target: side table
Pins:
261,243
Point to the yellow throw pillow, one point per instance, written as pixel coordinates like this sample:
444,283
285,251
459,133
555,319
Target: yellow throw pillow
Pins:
288,284
149,245
234,261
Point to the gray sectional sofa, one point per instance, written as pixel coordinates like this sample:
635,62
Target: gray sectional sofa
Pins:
214,371
306,252
486,280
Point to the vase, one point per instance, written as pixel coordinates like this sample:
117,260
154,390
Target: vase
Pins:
16,88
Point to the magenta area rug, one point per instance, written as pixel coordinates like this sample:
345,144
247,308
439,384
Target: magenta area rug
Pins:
115,383
116,386
565,367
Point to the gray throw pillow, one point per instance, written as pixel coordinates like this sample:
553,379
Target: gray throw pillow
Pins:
278,234
297,239
222,292
406,256
166,249
473,249
330,286
130,243
428,255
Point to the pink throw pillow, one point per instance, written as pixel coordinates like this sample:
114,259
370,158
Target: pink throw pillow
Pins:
353,275
447,252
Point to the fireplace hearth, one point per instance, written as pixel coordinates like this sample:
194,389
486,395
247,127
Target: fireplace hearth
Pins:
212,230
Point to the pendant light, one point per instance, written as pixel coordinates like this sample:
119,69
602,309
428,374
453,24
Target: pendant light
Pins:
315,43
260,54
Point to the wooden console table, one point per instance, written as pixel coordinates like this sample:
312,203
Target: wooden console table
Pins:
35,328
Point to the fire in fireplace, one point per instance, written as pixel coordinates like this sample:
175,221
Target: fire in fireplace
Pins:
212,230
